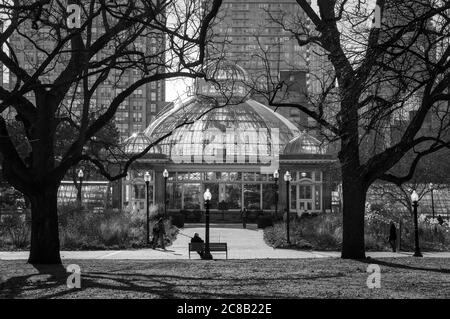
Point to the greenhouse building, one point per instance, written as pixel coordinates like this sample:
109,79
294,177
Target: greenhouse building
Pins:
231,150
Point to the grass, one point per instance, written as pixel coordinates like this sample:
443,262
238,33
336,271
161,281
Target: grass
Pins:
406,277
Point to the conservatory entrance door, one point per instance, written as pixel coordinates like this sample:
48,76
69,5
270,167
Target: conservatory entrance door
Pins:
305,197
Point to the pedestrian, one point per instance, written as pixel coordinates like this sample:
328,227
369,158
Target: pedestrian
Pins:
440,220
393,236
159,233
198,239
244,217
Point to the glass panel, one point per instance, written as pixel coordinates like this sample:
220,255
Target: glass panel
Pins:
195,176
182,176
249,176
260,177
192,196
171,176
210,176
224,176
214,189
305,192
233,196
174,195
252,196
139,191
269,196
234,176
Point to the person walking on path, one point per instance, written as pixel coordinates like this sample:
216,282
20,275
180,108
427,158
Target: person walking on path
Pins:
244,217
159,233
198,239
393,236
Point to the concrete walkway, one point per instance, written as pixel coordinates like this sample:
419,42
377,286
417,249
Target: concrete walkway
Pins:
242,244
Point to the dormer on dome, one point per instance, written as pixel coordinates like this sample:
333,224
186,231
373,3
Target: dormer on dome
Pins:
223,79
304,144
137,142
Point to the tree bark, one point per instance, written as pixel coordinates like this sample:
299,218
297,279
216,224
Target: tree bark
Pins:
354,198
44,231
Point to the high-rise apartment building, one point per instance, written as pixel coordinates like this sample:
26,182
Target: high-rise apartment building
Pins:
133,115
253,38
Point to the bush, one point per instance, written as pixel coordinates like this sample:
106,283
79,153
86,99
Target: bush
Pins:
16,231
111,229
322,232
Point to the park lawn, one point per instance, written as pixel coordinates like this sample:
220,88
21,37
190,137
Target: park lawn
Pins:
405,277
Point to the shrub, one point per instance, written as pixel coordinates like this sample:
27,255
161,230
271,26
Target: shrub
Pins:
17,230
111,229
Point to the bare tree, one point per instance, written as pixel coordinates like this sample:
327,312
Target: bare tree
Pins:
373,74
73,56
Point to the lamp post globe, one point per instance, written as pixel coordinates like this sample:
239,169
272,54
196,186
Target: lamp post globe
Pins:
147,179
287,179
415,203
207,197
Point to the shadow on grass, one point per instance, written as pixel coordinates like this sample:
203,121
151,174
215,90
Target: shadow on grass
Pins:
402,266
50,282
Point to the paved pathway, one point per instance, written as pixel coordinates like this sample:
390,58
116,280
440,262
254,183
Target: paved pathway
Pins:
242,244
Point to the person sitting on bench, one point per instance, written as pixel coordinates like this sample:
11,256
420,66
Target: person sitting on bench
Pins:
198,239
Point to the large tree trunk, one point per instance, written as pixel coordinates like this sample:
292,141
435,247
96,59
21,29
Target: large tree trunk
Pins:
354,198
44,227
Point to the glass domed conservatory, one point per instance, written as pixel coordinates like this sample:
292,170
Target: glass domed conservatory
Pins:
233,150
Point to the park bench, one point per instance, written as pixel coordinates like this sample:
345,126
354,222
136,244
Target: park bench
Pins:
213,247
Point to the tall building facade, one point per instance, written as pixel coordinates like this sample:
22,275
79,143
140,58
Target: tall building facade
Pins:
252,38
135,113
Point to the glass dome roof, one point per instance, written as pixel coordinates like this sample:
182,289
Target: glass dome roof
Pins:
248,129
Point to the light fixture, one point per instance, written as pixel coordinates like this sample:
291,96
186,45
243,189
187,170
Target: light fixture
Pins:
431,186
276,175
287,177
414,197
147,177
80,173
207,195
165,173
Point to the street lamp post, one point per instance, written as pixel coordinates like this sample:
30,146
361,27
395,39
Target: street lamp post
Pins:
166,175
80,177
415,202
147,178
432,198
287,179
207,196
276,175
